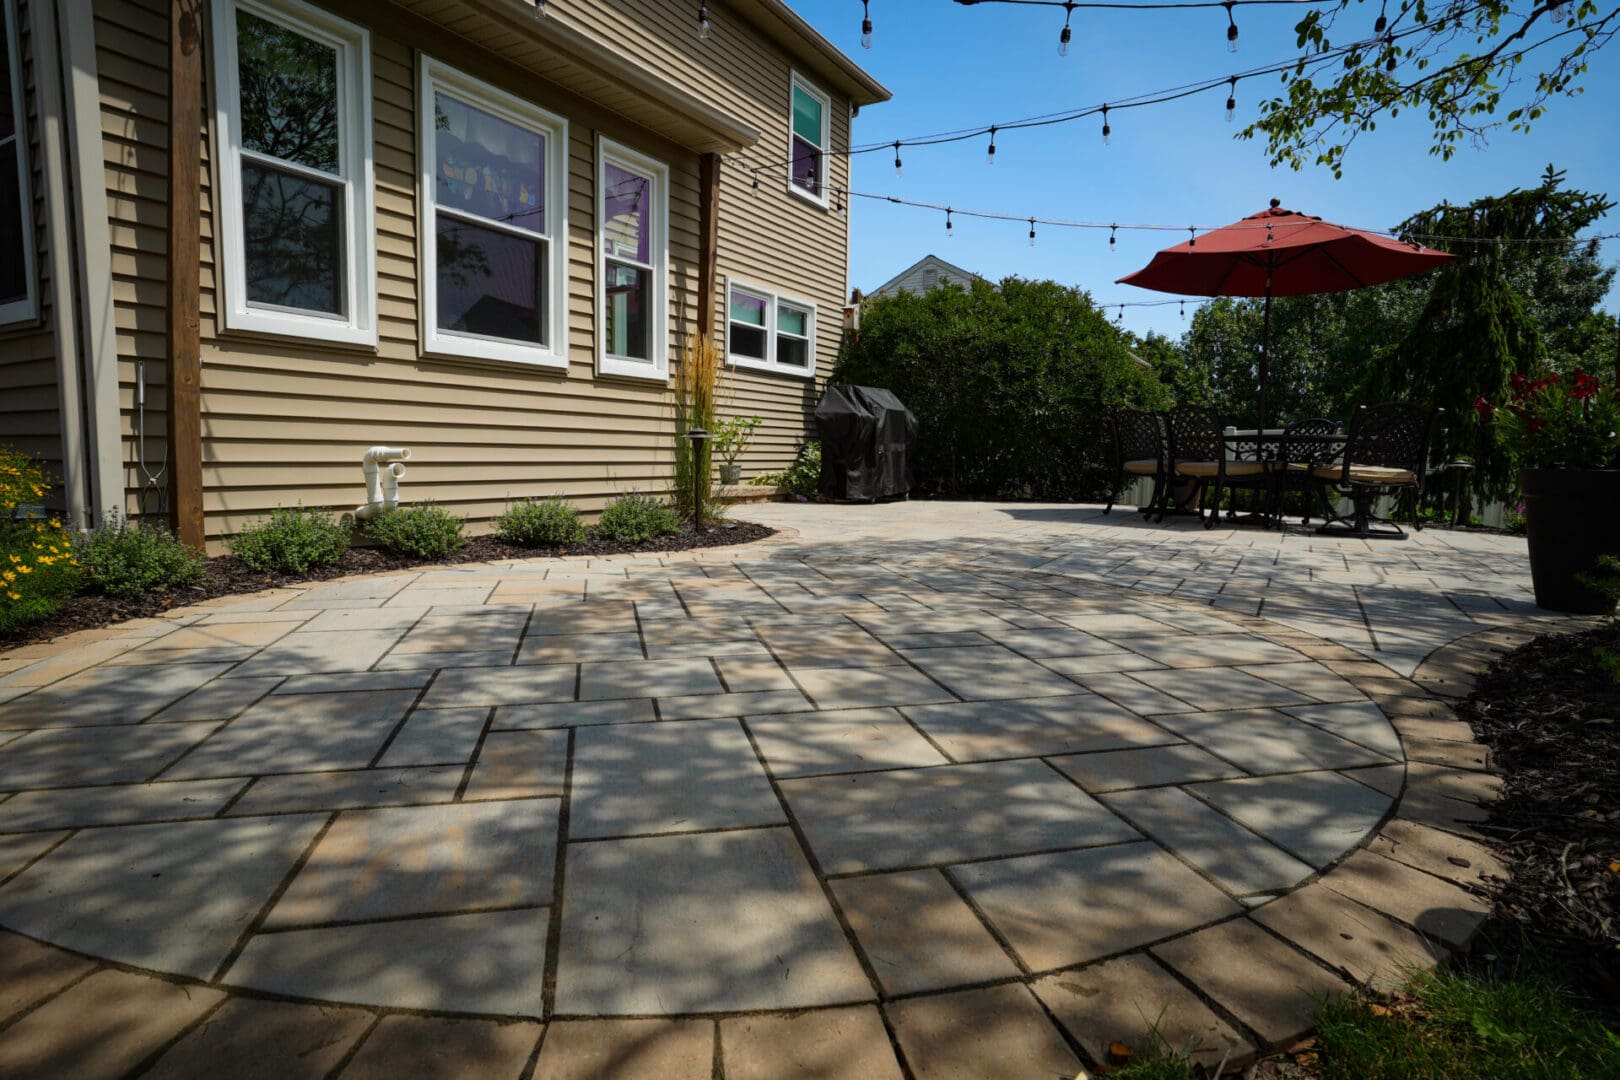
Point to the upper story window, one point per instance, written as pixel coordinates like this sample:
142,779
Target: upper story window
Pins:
295,205
632,229
769,331
17,299
494,222
809,116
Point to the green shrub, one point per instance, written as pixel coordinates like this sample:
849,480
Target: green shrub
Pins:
292,542
533,524
423,531
38,569
120,558
634,518
802,478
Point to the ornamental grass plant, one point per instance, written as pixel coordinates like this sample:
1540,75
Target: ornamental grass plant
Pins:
697,384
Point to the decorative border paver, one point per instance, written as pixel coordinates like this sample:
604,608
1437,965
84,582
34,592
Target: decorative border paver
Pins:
1237,979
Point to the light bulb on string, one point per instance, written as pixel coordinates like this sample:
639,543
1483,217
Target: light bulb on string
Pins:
1031,232
1389,43
1183,309
1559,11
1107,131
704,28
839,208
1063,38
866,26
1231,28
756,181
1112,237
1192,236
539,8
897,173
1121,316
992,156
1382,22
948,233
1231,98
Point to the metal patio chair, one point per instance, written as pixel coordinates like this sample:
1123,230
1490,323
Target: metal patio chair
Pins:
1386,452
1198,452
1139,448
1305,446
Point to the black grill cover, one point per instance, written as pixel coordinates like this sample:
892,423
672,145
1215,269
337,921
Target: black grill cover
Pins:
868,439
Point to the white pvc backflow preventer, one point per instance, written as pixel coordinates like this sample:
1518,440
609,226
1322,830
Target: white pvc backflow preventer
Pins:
381,465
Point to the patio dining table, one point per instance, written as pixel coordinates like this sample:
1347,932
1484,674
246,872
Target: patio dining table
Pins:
1256,444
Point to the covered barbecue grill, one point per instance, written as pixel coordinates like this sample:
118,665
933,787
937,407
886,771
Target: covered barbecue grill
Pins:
867,441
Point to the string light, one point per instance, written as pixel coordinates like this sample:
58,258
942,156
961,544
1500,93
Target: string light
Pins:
838,194
866,25
1183,308
1063,38
1121,316
1383,21
756,181
704,28
1106,128
992,158
948,233
1031,232
1113,231
1231,27
1192,236
1389,43
1231,99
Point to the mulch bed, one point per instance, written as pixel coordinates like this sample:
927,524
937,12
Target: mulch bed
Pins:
1551,717
225,575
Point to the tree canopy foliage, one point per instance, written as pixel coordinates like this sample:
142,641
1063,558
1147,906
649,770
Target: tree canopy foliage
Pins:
1458,61
1013,385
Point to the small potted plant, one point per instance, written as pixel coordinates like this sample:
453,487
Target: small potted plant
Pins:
731,438
1565,437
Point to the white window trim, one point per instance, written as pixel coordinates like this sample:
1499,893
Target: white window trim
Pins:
27,308
353,45
610,152
434,75
814,91
774,297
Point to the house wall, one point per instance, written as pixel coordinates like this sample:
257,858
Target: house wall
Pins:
284,421
30,408
924,278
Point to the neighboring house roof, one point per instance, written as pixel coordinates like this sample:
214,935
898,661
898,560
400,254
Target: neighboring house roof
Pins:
925,274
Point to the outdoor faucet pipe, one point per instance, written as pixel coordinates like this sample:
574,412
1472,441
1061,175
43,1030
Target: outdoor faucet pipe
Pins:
383,472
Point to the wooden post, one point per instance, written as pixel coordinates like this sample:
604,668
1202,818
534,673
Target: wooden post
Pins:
184,275
708,239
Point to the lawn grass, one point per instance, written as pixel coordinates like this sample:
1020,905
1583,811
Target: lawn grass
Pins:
1448,1026
1455,1026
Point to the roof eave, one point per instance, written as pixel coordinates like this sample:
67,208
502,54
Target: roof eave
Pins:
805,44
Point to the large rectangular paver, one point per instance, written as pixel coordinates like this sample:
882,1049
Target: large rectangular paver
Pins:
1220,688
102,1028
440,1048
110,755
656,778
436,737
648,678
1150,766
218,700
627,1050
1214,843
986,730
1265,741
1437,908
106,695
861,688
1361,722
72,808
921,817
299,733
419,860
989,672
843,740
349,790
173,897
492,963
826,1044
1133,1000
519,764
501,686
1315,816
250,1039
973,1034
722,921
1260,980
303,651
1211,649
31,972
1354,939
1069,907
918,934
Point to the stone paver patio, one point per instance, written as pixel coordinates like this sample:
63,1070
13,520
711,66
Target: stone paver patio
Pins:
974,788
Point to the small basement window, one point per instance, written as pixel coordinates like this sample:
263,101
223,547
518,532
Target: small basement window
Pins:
768,331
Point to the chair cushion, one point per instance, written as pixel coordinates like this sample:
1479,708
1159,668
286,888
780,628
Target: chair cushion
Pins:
1367,474
1142,467
1290,467
1211,468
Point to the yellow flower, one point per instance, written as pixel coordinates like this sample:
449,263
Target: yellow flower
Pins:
25,569
13,596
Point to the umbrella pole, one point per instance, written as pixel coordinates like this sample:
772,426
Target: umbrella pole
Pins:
1265,354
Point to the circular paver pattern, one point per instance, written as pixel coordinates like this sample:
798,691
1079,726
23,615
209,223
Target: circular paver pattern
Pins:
759,781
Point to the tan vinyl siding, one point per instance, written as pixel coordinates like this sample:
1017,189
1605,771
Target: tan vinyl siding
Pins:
30,403
285,420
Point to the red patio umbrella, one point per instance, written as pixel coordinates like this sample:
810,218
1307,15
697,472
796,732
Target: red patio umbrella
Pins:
1279,252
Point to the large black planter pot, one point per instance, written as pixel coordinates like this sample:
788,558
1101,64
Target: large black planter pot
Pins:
1572,517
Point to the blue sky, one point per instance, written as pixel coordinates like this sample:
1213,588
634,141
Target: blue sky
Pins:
953,67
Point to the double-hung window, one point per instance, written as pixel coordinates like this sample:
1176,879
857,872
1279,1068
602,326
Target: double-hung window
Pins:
293,87
632,230
768,331
494,258
17,284
808,116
